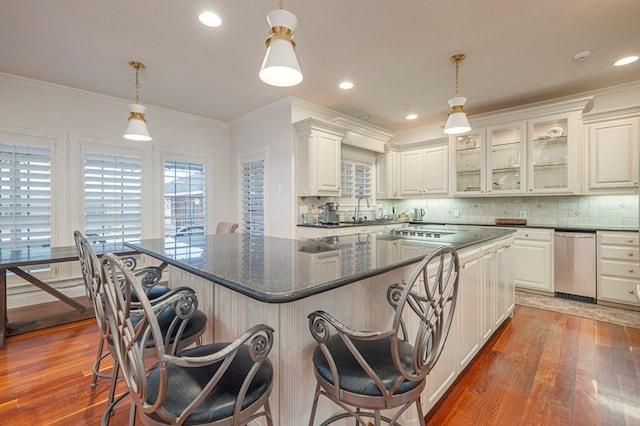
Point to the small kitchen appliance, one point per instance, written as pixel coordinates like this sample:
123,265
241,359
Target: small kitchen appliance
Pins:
418,214
330,214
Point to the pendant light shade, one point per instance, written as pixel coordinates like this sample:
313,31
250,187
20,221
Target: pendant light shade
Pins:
280,66
457,122
137,128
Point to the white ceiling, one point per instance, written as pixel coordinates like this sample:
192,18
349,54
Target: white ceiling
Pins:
395,51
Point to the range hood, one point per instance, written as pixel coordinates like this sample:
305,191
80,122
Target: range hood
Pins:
364,142
361,136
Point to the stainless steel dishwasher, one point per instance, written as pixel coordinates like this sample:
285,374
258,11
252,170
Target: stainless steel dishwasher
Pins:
575,265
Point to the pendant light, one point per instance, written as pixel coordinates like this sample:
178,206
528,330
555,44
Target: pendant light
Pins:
137,128
280,66
457,122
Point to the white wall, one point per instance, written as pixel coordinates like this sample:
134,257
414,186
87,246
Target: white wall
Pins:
41,107
73,118
268,130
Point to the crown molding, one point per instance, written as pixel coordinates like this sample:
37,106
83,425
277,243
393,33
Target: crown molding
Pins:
97,97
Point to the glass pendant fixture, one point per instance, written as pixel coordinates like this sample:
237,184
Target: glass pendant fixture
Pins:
280,66
137,128
457,122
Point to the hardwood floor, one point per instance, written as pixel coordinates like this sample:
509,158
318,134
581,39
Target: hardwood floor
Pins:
543,368
547,368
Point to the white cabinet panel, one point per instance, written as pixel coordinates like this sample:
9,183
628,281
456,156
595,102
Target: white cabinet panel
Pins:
613,154
533,260
318,157
618,268
424,171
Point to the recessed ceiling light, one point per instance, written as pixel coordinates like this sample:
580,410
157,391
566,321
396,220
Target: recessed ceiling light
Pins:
581,56
625,61
412,116
346,85
210,19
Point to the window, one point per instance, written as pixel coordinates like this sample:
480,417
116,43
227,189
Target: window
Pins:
184,201
25,201
253,199
356,179
113,197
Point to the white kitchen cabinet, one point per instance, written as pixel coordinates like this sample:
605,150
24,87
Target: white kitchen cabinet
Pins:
424,171
470,307
505,300
613,155
533,260
498,286
618,268
505,159
318,158
469,164
387,180
552,154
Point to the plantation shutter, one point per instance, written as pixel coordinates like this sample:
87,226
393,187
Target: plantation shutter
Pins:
253,197
25,196
113,197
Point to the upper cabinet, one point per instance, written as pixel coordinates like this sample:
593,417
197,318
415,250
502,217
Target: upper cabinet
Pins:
424,171
535,155
318,158
612,157
469,164
387,181
505,159
553,155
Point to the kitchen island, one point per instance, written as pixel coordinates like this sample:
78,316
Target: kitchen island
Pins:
242,280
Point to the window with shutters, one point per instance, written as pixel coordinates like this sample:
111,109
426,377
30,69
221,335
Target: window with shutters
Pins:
184,202
253,195
356,179
25,200
113,197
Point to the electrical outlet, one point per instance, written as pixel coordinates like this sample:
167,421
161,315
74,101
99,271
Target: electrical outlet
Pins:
523,214
456,213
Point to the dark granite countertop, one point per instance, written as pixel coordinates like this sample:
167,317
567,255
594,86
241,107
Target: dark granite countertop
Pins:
573,228
353,224
280,270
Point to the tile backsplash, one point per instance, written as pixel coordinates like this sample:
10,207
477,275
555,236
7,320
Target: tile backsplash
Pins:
602,210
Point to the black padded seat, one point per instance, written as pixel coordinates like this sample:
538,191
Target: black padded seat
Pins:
184,384
377,353
195,325
153,293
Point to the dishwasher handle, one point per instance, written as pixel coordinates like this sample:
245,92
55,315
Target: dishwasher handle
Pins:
575,235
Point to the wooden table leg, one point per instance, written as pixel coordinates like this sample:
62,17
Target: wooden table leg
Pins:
3,305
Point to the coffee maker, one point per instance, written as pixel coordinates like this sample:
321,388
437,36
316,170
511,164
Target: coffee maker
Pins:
330,214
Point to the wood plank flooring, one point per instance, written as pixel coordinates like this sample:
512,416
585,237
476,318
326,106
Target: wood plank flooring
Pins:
544,368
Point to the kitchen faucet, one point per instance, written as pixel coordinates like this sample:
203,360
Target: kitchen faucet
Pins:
356,218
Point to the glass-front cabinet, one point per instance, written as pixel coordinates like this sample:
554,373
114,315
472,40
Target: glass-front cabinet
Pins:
505,159
533,155
469,157
549,156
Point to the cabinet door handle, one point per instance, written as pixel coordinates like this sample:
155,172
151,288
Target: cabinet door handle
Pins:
635,182
629,241
630,291
630,254
630,269
526,235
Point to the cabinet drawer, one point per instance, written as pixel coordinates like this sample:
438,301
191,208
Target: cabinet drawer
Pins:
629,254
618,238
617,290
534,234
628,270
